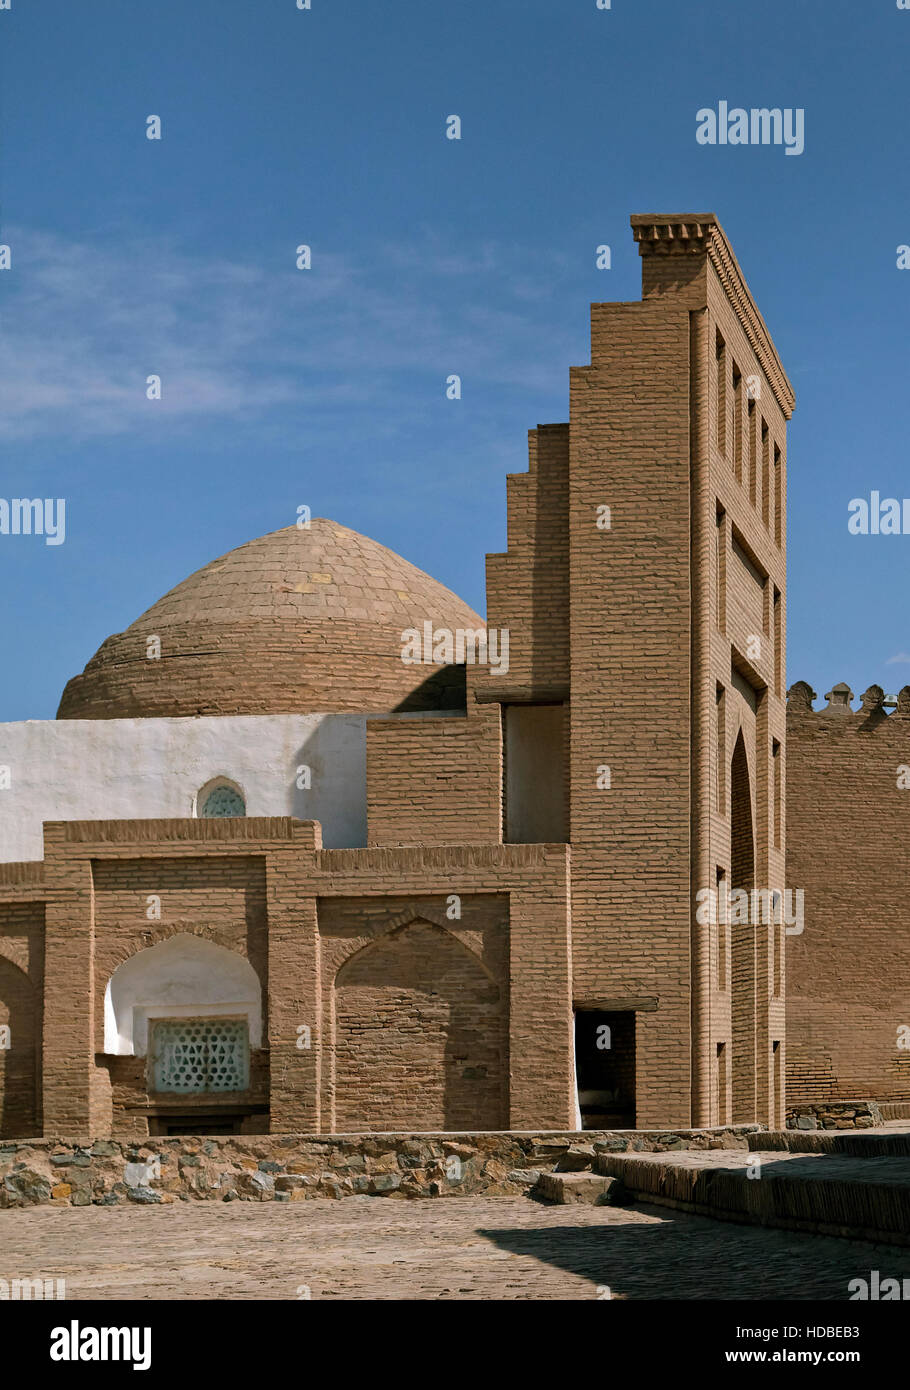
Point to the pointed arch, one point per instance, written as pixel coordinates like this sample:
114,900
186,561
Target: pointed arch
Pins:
419,1035
184,976
405,919
742,835
743,972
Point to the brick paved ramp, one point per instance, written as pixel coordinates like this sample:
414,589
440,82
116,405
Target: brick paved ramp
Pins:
457,1248
890,1140
831,1192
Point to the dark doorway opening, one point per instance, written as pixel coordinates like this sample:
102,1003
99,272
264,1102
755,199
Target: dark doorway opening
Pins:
198,1124
605,1068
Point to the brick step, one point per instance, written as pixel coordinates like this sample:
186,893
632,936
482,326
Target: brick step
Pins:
826,1194
895,1109
850,1143
590,1189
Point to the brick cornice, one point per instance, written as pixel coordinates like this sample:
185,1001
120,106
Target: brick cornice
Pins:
701,233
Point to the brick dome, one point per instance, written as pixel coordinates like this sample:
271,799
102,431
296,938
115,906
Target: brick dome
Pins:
298,621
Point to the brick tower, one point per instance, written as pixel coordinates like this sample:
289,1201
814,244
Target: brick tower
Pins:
678,426
644,587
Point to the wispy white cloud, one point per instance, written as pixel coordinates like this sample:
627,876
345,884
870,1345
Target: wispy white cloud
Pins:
901,659
85,324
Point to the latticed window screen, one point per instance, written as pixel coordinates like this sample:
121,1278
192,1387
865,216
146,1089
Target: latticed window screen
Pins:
224,801
202,1054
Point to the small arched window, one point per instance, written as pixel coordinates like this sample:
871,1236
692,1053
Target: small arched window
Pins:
221,798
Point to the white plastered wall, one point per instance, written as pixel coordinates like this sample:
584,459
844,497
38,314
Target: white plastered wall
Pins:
124,769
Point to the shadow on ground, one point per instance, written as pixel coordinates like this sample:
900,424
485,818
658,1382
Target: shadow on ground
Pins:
690,1257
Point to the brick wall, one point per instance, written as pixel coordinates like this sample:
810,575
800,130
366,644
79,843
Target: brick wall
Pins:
848,973
381,997
435,780
630,700
658,602
514,906
21,980
528,586
420,1012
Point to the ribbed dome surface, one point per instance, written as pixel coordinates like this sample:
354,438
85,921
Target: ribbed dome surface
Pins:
301,620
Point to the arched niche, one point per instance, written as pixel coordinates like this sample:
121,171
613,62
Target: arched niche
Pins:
742,836
183,977
744,977
419,1041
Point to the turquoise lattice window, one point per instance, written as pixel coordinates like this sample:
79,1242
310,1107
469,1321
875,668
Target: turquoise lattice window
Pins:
223,800
201,1054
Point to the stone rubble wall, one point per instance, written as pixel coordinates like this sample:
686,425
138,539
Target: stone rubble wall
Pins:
852,1114
285,1168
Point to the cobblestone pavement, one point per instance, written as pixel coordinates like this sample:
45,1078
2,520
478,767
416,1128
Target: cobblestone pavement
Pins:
460,1248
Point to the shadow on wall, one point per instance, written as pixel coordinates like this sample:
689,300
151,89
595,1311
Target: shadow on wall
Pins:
19,1061
329,781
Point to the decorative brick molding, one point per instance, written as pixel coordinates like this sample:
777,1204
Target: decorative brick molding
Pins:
872,702
666,234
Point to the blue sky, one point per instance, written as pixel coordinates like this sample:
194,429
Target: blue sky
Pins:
430,256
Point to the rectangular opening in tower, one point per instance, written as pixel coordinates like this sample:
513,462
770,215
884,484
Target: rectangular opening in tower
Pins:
605,1068
534,774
